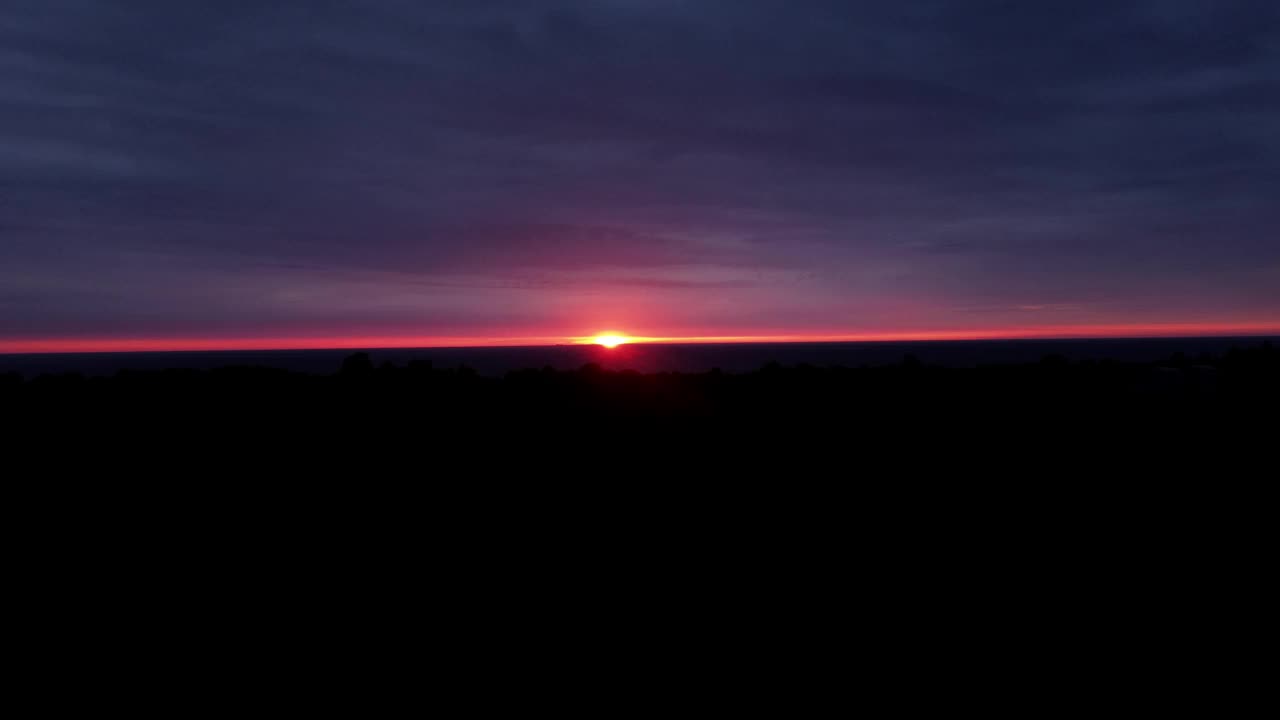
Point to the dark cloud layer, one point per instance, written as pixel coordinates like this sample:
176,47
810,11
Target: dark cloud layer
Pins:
723,166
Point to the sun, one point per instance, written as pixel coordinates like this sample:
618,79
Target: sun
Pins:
609,340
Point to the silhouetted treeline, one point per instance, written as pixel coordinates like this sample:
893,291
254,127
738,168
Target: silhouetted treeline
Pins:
1243,383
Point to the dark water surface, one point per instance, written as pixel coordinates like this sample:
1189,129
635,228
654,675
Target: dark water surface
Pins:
646,358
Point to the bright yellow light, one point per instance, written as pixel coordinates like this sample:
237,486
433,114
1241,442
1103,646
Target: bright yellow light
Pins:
609,341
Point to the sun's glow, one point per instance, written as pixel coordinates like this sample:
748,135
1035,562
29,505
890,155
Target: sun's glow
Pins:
609,340
1260,328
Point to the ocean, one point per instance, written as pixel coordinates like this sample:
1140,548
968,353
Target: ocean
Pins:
737,357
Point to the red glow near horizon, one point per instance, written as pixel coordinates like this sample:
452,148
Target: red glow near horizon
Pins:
161,344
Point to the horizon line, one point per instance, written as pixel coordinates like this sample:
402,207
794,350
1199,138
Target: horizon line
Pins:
55,346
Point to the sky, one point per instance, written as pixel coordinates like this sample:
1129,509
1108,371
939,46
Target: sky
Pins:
209,174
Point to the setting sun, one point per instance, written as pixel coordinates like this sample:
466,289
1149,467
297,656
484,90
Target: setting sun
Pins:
609,341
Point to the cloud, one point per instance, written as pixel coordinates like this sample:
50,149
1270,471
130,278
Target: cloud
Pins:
972,151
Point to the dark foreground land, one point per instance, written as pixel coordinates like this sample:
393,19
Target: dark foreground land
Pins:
1060,407
1073,503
